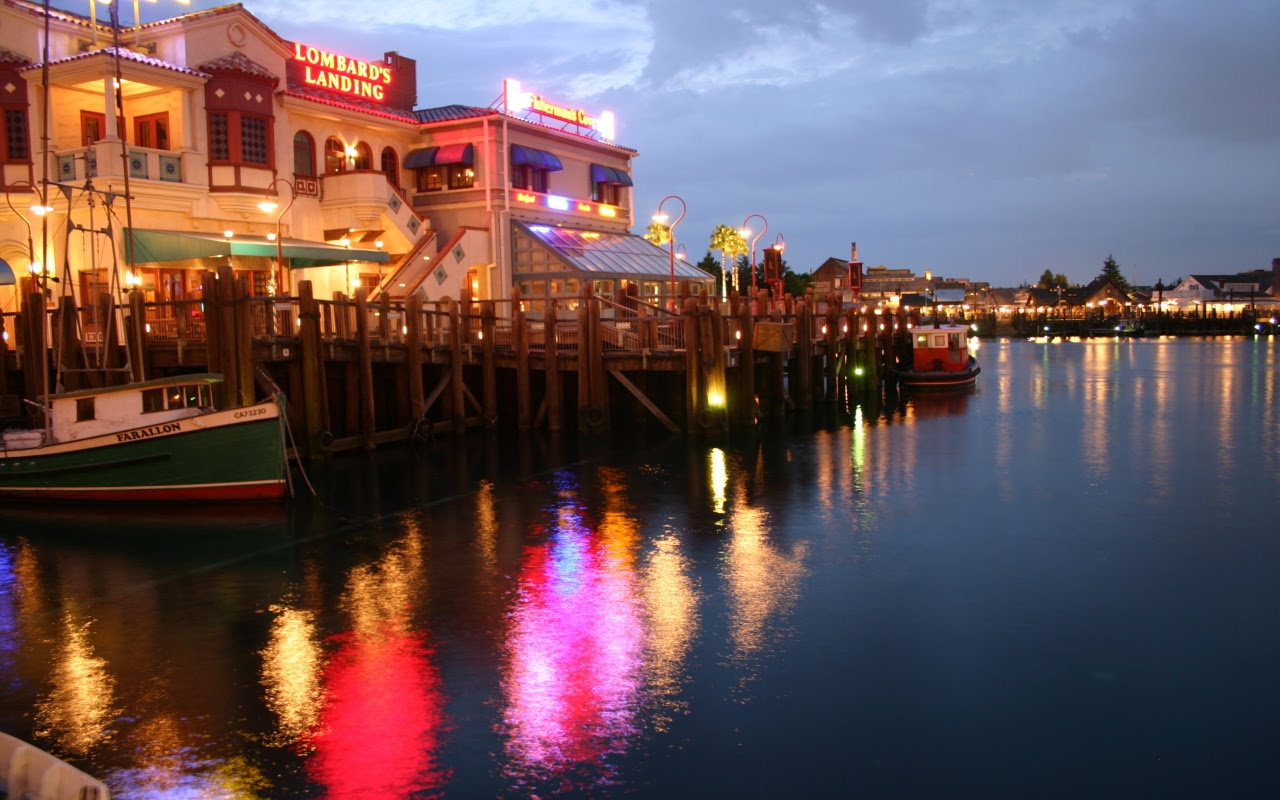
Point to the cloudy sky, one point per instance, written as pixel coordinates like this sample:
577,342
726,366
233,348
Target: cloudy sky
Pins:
987,139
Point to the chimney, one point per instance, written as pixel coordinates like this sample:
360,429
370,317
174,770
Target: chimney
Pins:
854,256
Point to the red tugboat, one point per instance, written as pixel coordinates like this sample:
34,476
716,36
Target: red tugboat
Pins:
940,359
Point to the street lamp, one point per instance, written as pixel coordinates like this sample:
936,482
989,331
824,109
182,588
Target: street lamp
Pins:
747,232
671,236
268,205
38,208
682,252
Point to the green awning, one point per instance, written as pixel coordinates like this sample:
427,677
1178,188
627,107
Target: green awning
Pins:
157,246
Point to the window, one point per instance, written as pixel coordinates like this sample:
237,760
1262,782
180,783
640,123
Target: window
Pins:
304,154
607,193
152,131
17,144
335,156
391,166
93,127
525,176
84,409
364,157
239,138
431,179
461,176
152,400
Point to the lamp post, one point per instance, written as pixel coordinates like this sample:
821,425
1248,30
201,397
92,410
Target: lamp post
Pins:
671,236
39,209
268,205
747,232
779,244
682,252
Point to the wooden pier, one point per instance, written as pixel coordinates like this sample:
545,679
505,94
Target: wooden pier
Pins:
357,374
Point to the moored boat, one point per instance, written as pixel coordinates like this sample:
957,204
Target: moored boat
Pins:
157,440
28,771
940,359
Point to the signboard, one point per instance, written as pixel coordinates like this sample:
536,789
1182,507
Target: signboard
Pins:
558,203
855,277
514,99
321,69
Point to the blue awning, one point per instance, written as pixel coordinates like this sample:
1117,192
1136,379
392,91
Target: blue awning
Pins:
538,159
440,156
6,274
603,174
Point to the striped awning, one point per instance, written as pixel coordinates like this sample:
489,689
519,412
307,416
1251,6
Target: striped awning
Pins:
148,247
603,174
538,159
440,156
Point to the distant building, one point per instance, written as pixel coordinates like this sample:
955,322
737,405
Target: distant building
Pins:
1223,293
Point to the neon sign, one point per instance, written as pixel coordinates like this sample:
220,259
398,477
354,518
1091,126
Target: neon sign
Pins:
516,100
326,70
557,203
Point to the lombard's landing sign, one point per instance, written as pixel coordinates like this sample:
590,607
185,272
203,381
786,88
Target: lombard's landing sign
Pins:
320,69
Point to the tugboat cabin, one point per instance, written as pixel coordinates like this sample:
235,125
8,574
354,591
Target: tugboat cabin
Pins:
941,349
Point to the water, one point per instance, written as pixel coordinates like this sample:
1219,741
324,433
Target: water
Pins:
1062,585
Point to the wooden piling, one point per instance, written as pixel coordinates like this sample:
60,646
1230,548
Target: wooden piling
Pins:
747,366
488,365
244,343
34,349
364,361
802,372
227,336
312,369
67,352
413,356
520,344
692,368
551,360
457,390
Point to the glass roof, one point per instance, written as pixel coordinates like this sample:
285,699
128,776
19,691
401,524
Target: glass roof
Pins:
612,253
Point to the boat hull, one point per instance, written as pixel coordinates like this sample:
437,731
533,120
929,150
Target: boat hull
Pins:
940,380
236,454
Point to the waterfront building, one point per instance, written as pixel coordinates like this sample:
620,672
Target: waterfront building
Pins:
1223,293
217,115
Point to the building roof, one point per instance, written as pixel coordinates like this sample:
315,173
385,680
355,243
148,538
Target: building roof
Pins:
125,54
453,113
239,62
621,254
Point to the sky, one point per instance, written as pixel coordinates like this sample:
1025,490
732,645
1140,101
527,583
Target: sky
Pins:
980,139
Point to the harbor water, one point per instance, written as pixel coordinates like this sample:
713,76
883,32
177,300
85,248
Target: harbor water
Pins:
1063,584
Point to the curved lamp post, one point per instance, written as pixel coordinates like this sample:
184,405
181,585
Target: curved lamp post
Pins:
747,232
682,252
671,236
39,208
268,205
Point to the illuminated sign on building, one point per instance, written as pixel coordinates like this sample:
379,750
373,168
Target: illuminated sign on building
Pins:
558,203
325,70
516,100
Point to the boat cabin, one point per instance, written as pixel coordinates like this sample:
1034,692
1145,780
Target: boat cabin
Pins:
86,413
944,348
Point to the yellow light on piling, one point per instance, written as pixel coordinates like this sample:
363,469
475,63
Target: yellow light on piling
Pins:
715,399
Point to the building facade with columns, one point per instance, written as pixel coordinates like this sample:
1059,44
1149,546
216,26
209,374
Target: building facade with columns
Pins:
216,114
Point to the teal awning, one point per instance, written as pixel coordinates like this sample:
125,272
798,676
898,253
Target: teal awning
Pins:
158,246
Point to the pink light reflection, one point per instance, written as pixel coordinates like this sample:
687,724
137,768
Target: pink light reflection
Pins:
575,655
379,730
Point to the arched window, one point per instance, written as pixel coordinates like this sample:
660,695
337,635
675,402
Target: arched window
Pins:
391,166
335,156
364,157
304,154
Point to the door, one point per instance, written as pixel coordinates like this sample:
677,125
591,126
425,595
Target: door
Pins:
152,130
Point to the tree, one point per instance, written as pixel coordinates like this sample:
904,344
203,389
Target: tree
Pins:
708,264
658,232
730,244
1111,271
1046,279
1051,280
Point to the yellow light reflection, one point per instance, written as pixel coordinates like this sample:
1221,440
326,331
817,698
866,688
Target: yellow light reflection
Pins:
291,667
719,479
671,609
81,700
487,527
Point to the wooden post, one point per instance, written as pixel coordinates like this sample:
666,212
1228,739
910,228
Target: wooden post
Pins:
244,342
833,351
488,365
413,356
312,370
803,371
584,361
212,334
520,342
456,387
364,360
227,336
692,364
555,413
35,350
67,345
4,359
747,365
135,330
112,364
